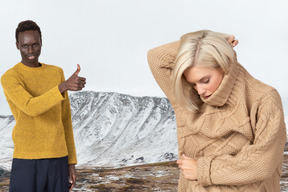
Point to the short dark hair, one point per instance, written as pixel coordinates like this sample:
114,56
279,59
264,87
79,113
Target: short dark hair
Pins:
27,26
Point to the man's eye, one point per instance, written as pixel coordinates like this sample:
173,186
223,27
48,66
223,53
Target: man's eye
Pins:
24,46
35,45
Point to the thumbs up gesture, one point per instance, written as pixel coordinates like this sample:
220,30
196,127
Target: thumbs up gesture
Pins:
74,83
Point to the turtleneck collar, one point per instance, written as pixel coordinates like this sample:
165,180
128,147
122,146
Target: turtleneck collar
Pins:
223,93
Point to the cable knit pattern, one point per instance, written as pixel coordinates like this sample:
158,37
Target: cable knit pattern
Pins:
238,134
43,118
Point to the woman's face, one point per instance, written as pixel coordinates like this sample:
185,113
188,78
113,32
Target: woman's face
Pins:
205,80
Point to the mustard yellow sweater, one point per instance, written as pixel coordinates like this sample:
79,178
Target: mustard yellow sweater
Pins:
238,135
43,118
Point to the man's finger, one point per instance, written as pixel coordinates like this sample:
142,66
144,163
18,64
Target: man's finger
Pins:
78,70
82,78
74,180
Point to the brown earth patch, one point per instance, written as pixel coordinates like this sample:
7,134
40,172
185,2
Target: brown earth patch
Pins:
153,177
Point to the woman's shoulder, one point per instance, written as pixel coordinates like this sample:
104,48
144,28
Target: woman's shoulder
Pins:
264,93
255,85
257,91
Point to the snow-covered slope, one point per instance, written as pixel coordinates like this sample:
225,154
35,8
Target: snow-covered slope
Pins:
6,144
112,130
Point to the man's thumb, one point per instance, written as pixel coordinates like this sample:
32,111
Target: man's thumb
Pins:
78,70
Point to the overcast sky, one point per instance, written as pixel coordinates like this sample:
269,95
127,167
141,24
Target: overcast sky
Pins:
110,38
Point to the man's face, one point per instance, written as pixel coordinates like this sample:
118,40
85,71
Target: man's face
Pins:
29,44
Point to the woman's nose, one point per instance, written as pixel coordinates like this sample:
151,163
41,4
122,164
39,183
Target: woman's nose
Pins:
200,90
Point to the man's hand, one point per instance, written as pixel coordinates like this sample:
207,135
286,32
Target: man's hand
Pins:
74,83
72,176
189,167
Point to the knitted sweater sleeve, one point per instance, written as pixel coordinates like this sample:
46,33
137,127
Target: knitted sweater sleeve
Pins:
15,91
255,162
67,123
161,61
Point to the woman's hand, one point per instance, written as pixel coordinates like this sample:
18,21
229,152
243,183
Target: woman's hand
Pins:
189,167
232,41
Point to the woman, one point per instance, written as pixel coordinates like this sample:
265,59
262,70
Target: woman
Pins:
230,126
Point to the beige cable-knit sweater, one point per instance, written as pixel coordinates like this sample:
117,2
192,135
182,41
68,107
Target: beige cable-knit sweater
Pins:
238,135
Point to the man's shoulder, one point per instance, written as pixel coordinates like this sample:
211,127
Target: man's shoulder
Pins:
53,67
11,71
10,74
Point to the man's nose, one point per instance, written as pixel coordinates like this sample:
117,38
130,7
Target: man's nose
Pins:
30,49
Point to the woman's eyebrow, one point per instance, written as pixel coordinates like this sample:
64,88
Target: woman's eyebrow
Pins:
205,77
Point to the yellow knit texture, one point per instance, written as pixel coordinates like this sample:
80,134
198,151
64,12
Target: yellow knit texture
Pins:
43,118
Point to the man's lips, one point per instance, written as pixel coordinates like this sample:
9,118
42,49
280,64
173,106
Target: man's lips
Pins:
31,57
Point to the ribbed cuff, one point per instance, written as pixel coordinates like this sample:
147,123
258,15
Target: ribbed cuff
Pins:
72,159
203,171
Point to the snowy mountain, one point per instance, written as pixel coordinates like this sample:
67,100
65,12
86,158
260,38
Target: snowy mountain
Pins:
6,144
112,130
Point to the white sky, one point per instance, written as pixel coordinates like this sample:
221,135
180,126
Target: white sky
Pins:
110,38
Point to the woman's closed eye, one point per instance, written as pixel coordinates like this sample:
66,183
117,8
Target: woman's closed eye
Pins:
206,80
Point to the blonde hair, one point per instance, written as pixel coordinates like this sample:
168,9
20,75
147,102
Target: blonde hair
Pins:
205,48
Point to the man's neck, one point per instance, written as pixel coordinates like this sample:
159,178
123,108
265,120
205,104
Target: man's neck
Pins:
34,64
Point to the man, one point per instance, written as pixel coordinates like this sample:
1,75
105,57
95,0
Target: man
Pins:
44,155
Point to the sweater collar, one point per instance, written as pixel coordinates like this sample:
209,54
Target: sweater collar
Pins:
223,94
23,66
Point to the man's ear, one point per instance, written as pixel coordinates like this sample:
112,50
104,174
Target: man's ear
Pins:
17,45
